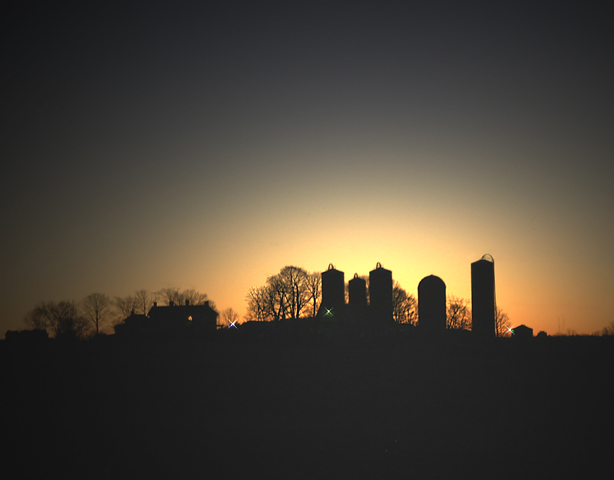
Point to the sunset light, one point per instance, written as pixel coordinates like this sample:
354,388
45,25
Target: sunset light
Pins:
307,239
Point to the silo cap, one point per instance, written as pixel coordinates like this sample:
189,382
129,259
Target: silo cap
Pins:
432,280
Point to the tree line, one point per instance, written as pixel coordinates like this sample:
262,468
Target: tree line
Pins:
98,312
292,293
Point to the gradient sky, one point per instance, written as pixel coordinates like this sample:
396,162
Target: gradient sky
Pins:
150,145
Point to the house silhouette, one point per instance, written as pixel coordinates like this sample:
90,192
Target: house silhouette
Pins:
170,318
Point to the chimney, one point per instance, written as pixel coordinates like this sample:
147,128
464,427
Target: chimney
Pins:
187,302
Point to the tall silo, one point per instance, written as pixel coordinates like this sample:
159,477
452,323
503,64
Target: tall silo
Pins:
380,293
432,304
333,292
357,288
483,302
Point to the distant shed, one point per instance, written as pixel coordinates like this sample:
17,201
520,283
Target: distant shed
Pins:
522,331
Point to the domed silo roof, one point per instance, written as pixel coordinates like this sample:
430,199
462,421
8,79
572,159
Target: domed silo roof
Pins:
432,281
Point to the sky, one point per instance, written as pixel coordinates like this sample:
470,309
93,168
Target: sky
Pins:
195,145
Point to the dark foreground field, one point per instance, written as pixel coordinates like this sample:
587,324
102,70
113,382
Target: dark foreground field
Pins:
331,408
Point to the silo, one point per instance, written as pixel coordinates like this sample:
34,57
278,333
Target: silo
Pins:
432,304
483,297
333,292
380,293
358,292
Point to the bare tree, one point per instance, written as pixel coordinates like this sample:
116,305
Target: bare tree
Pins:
403,305
313,284
36,319
97,309
169,294
285,295
294,282
608,331
125,306
67,320
193,296
458,313
61,315
178,297
277,298
62,318
258,304
142,302
502,323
